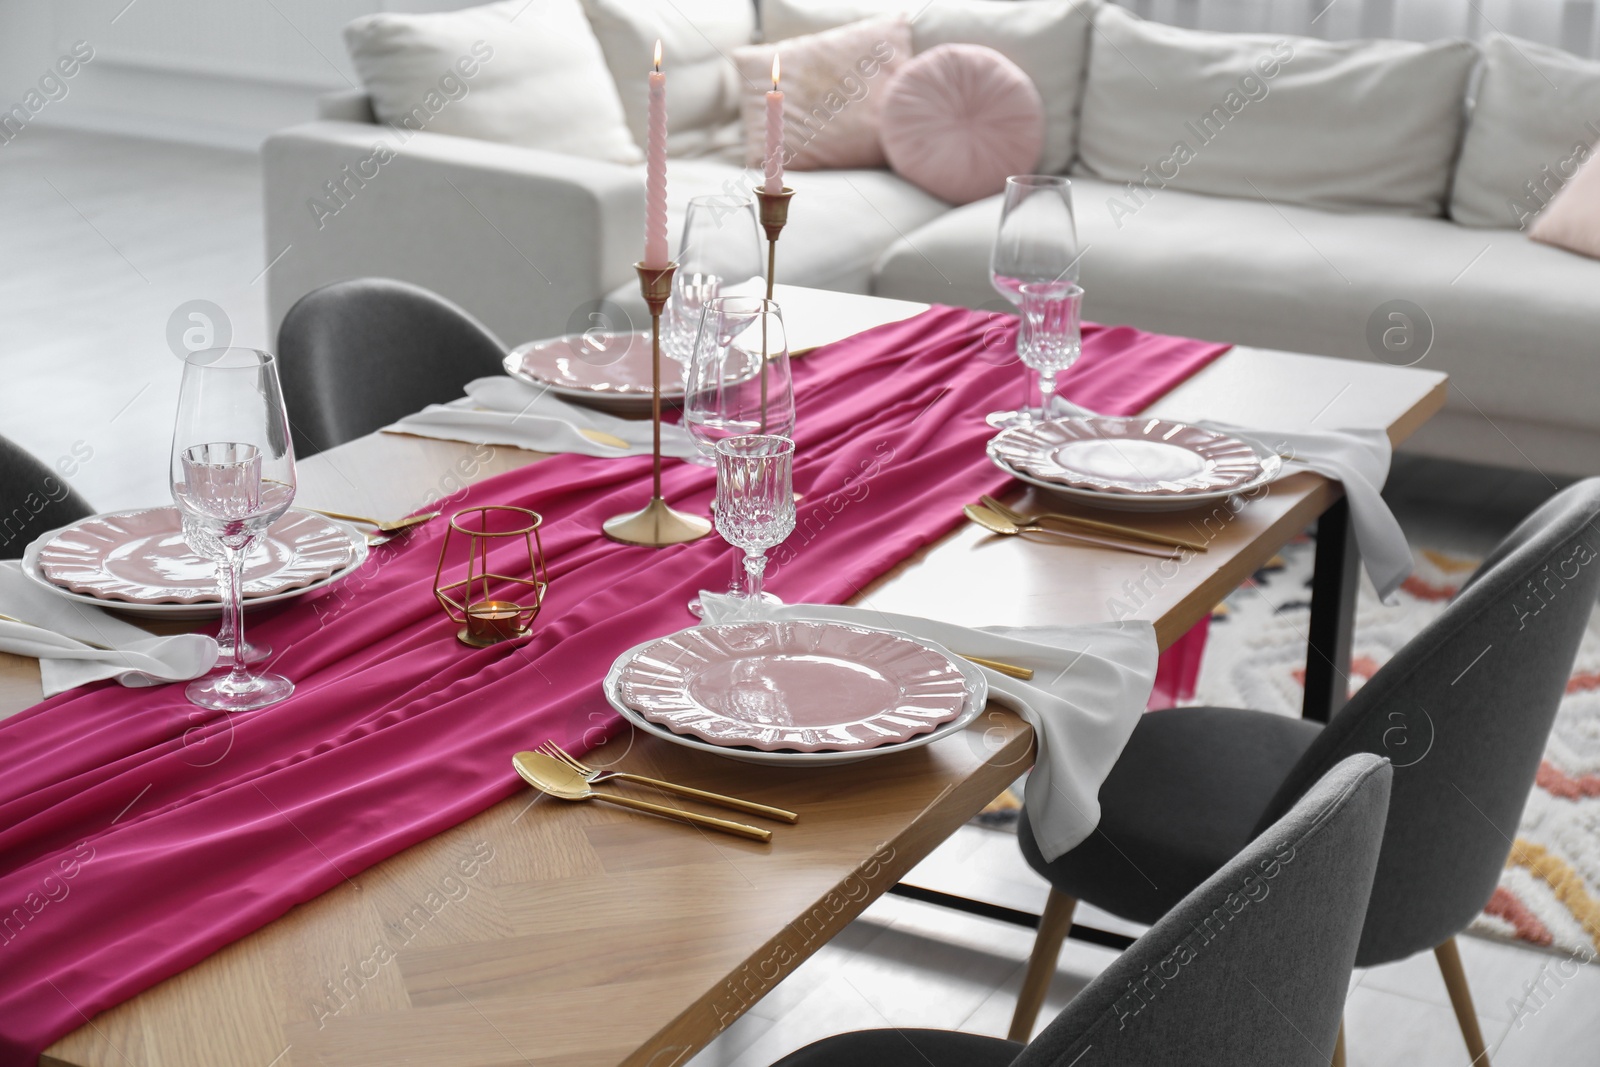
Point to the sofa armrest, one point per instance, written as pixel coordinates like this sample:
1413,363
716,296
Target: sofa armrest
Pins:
528,241
346,105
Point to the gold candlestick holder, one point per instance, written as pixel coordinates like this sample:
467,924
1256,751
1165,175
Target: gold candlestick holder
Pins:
774,216
657,525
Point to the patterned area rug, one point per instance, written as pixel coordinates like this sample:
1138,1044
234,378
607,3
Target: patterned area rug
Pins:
1549,893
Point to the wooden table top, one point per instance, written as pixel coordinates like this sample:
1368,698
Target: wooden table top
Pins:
542,932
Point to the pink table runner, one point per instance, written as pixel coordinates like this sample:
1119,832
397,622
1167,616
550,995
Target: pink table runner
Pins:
139,834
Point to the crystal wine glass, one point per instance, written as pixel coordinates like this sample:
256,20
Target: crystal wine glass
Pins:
232,477
739,377
1037,242
720,255
755,506
1050,338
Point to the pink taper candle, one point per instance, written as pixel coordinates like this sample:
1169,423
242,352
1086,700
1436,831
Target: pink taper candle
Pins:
774,133
655,182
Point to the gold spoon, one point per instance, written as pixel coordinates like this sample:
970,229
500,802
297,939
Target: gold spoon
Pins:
559,780
383,527
1006,512
996,523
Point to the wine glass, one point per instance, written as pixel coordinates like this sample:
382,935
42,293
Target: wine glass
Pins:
1037,242
755,506
232,477
739,377
720,255
1050,338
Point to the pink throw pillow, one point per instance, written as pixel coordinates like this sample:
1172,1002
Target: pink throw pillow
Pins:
832,93
1572,218
961,118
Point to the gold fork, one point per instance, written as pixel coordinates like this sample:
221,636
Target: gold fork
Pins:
594,776
1090,524
382,527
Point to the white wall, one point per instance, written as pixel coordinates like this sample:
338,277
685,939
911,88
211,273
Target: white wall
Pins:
214,71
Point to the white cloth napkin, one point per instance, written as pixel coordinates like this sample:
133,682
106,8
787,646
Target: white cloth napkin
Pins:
1090,685
61,627
504,411
1356,458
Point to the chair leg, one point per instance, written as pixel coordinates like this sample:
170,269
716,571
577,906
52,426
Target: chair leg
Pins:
1455,980
1338,1047
1053,927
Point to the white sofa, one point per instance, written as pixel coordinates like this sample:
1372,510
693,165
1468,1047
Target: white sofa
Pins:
536,243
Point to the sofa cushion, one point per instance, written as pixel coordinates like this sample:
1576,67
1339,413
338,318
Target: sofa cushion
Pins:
1536,114
1048,39
960,119
1572,221
697,38
832,85
1511,321
539,81
1348,125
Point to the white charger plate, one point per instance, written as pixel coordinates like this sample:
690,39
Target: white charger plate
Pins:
189,612
1271,469
976,700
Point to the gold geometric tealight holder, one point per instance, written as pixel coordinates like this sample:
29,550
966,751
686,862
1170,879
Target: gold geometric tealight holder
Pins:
657,525
485,615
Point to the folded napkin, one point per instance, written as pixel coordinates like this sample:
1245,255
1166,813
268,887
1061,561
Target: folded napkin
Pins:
1090,685
504,411
60,628
1356,458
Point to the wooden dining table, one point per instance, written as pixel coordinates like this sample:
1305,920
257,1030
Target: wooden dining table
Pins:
543,932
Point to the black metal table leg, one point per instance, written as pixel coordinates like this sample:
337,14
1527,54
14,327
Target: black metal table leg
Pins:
1333,615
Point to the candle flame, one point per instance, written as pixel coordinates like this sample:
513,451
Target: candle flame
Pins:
658,55
774,71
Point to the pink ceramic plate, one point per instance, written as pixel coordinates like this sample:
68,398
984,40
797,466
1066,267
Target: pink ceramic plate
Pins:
595,364
141,557
1135,456
797,686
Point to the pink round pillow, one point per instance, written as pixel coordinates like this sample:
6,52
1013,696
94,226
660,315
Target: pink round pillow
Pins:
959,119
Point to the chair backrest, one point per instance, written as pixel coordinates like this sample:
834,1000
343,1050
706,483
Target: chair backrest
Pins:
1464,711
1254,965
33,499
357,355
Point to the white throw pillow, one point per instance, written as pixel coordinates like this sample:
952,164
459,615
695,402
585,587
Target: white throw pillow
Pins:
1537,113
523,72
1343,126
697,38
1048,39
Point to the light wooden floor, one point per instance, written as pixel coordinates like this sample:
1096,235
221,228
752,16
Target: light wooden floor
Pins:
104,237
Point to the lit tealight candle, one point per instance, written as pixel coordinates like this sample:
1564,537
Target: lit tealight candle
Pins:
655,182
774,133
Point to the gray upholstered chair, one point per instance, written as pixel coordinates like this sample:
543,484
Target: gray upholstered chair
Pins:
1463,710
33,499
1252,967
357,355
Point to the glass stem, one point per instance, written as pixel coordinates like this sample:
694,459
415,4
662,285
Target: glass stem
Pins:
736,583
1047,392
755,566
233,612
227,640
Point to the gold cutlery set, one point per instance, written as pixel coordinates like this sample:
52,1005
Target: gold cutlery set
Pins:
1001,519
551,770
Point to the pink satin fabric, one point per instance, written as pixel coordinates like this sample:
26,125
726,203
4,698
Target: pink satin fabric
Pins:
139,834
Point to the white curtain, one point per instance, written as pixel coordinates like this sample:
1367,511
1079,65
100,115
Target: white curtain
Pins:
1573,25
